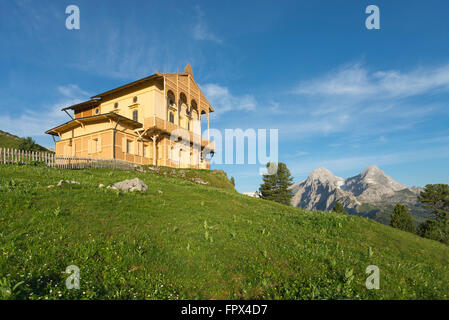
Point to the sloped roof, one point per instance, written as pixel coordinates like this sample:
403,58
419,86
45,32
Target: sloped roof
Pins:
97,99
83,105
86,120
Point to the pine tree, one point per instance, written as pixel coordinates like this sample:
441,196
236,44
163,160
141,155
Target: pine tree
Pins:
436,198
338,208
402,219
275,187
233,181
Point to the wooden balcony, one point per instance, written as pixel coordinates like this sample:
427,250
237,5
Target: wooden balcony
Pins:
155,125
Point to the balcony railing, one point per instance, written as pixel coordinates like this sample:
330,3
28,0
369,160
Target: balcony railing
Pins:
168,127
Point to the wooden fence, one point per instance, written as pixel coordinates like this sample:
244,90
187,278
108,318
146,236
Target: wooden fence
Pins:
14,156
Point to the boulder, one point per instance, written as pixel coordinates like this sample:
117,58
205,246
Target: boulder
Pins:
131,185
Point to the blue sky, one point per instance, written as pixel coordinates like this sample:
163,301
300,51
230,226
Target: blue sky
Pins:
342,97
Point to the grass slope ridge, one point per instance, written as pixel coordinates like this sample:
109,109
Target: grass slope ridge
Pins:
8,140
187,240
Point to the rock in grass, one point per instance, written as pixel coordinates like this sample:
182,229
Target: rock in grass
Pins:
131,185
61,182
200,181
101,185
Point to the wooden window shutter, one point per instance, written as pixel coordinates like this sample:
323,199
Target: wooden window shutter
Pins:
89,146
99,145
124,144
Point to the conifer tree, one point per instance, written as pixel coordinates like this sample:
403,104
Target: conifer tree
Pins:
338,208
275,187
402,219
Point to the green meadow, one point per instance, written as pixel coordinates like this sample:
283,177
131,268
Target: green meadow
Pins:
187,240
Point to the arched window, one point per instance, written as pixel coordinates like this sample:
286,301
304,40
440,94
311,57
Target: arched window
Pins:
136,115
194,105
183,98
135,99
172,117
171,99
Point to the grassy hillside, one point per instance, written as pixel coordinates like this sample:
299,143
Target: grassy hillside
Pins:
8,140
182,239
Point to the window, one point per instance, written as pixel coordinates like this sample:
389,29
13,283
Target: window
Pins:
172,117
116,105
136,115
135,99
94,145
128,146
97,110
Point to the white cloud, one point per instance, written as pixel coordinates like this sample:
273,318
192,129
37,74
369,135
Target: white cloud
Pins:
356,81
223,101
34,124
201,31
354,101
358,163
72,91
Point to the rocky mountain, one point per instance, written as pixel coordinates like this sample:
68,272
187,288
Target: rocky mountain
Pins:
371,193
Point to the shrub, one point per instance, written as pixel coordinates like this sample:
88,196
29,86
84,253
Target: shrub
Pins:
402,219
338,208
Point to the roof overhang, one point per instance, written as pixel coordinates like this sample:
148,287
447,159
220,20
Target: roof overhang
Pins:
93,119
96,100
83,105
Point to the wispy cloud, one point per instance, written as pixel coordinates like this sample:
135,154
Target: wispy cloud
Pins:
123,53
72,91
33,17
356,81
201,30
358,163
358,102
34,124
221,98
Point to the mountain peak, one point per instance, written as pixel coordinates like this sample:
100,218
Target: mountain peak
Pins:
321,189
321,174
370,170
